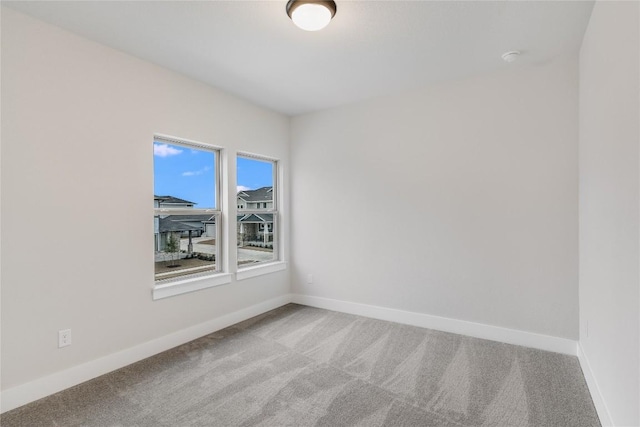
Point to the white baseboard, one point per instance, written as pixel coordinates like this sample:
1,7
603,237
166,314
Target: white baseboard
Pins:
478,330
598,400
42,387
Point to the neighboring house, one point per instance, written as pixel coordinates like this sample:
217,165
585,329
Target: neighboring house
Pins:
171,202
255,227
262,198
252,228
184,226
180,225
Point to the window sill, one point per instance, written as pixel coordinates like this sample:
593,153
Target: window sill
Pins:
259,270
179,287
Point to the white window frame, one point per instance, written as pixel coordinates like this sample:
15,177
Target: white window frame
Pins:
277,263
164,288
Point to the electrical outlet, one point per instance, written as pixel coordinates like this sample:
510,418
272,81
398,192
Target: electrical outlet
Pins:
309,279
64,338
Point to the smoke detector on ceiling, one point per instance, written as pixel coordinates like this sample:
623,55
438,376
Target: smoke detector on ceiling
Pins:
510,56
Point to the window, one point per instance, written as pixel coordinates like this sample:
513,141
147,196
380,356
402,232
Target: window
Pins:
257,220
186,209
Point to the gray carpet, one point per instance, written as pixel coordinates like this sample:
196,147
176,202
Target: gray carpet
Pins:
302,366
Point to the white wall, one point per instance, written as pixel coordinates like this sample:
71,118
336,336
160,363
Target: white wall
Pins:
77,126
458,200
609,214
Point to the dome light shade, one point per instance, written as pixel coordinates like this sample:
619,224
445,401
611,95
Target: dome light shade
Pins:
311,15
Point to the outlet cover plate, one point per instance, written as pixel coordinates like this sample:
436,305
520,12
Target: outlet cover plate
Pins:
64,338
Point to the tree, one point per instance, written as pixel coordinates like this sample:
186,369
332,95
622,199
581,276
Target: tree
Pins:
173,247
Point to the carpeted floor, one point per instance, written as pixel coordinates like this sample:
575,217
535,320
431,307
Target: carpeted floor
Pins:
302,366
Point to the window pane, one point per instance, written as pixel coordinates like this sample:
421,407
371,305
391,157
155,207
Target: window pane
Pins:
184,177
257,216
184,245
255,184
256,238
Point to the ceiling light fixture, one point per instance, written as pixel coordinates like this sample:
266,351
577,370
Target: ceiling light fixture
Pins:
311,15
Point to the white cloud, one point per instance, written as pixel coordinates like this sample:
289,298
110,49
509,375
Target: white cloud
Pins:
164,150
198,172
242,188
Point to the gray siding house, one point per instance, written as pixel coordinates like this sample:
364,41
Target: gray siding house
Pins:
180,225
253,228
262,198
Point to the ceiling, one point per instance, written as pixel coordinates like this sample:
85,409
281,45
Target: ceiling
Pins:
371,48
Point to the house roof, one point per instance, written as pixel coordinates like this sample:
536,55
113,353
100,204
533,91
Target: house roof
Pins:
172,200
179,222
260,195
258,218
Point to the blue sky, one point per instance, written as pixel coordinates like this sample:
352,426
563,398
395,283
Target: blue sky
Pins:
189,173
254,174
